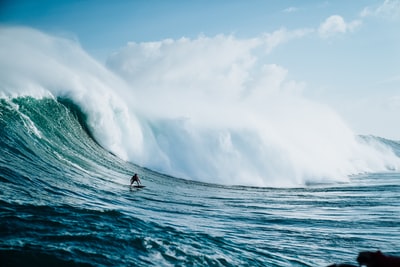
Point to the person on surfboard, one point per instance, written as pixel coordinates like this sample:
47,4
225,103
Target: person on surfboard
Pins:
135,178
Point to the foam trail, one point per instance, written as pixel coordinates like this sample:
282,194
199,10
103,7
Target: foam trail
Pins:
203,109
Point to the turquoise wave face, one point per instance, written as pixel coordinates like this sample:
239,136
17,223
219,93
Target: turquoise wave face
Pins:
46,146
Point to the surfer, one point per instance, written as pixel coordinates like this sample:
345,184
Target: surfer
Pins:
135,178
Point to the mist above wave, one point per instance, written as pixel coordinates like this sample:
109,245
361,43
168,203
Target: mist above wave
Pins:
209,109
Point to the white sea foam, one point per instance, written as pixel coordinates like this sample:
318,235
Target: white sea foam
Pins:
205,109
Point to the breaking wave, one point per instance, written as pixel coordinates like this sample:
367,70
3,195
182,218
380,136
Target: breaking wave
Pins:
173,107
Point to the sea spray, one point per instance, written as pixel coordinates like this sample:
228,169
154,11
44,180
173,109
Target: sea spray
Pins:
207,109
219,111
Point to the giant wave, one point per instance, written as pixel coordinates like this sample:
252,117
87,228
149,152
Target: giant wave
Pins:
234,120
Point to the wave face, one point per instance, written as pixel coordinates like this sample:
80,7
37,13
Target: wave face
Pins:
46,146
229,121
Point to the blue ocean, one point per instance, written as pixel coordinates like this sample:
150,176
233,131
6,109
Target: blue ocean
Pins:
281,182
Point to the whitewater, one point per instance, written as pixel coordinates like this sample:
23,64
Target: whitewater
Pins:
240,167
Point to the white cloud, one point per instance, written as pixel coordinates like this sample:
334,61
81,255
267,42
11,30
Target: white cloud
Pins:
335,25
388,9
290,9
282,36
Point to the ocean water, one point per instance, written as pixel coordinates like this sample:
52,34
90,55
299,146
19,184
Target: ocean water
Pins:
240,168
65,201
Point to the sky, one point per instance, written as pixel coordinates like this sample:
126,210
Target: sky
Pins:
345,54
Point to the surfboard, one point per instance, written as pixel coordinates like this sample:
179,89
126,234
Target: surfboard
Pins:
138,186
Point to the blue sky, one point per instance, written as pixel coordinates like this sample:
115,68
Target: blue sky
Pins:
102,24
347,53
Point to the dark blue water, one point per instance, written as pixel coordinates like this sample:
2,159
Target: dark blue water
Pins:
65,201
